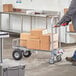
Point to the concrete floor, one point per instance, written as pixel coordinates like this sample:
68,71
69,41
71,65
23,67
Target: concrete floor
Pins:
38,63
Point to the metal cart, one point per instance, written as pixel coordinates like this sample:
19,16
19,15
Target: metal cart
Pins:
20,51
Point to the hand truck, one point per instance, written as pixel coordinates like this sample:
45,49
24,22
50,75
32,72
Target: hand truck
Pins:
20,51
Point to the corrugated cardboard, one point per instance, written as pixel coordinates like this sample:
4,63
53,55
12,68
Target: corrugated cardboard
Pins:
42,42
34,37
45,37
17,10
36,32
7,7
23,43
33,44
25,36
45,45
23,39
45,42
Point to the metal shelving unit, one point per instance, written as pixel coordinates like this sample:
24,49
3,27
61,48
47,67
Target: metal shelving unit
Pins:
45,14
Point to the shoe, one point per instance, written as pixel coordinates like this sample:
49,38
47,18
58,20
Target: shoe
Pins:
74,63
70,59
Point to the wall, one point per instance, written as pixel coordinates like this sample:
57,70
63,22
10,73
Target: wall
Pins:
35,4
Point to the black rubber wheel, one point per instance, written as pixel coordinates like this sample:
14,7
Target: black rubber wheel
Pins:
27,53
58,58
17,54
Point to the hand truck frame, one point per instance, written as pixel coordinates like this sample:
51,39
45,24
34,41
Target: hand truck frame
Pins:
55,54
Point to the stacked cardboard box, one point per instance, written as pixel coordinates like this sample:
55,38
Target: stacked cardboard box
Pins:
36,33
23,39
33,44
45,42
17,10
37,40
7,7
34,41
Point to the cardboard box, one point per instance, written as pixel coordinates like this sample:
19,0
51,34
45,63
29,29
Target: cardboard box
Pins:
36,32
71,28
45,42
25,36
23,39
48,37
45,45
34,37
17,10
42,42
23,43
7,7
33,44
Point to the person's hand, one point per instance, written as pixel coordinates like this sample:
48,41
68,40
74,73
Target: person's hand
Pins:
63,24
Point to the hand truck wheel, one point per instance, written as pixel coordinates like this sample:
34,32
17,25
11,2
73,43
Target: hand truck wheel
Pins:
58,58
51,61
27,53
17,54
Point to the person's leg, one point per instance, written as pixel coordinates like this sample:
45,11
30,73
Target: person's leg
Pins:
73,58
